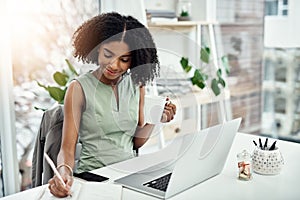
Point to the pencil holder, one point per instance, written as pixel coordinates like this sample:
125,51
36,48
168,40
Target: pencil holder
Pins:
267,162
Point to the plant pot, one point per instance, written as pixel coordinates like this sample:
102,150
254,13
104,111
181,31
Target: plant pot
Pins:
184,18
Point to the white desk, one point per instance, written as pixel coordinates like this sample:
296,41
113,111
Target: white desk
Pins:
224,186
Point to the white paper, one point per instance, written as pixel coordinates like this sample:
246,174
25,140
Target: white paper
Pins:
88,190
101,191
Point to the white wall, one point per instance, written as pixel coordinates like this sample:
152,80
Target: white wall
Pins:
284,31
135,8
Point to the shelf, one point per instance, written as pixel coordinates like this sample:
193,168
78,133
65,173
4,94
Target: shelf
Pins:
181,26
201,97
179,23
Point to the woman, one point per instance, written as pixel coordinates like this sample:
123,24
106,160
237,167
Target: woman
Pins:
104,108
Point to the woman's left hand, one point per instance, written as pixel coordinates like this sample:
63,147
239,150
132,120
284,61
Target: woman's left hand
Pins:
169,112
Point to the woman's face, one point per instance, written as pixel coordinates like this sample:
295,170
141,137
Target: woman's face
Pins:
114,59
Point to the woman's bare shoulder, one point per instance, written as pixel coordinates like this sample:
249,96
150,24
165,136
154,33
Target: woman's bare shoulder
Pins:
75,93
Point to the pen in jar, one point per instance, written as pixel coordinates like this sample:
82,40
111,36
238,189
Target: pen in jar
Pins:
273,146
260,144
266,144
254,143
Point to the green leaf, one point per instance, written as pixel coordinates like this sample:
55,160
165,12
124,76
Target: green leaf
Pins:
71,67
200,75
194,80
222,82
199,79
188,68
41,85
204,54
225,64
184,13
198,82
60,78
57,94
215,88
207,49
185,64
219,73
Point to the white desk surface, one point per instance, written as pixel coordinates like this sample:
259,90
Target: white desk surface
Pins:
224,186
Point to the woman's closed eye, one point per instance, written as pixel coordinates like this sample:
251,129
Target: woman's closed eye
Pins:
106,55
125,59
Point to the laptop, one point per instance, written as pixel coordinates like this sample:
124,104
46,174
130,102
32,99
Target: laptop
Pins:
200,156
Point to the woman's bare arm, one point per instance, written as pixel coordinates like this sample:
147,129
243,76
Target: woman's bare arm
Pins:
73,106
143,131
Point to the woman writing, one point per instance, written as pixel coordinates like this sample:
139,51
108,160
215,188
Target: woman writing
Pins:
104,108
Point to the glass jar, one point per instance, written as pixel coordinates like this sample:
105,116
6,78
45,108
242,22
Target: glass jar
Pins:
244,166
184,10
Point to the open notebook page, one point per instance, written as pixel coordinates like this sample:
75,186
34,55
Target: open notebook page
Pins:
88,190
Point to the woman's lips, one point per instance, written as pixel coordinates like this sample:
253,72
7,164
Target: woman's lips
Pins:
111,72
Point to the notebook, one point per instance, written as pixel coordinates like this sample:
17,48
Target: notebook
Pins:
202,155
86,190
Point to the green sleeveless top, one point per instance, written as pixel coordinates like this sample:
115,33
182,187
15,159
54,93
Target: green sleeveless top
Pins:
106,128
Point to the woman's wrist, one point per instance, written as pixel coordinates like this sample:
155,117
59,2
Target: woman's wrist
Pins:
66,166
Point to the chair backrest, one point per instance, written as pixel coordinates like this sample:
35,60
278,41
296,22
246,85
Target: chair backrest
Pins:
48,140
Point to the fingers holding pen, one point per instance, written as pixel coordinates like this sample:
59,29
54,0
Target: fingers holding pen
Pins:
58,189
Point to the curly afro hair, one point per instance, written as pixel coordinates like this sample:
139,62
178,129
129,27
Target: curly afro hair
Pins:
110,27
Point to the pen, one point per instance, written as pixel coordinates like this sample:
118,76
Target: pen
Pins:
260,144
273,146
266,144
254,143
54,169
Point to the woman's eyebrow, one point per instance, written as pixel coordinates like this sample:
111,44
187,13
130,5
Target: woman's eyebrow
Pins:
105,49
126,55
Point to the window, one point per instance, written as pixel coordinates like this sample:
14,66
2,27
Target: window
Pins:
276,7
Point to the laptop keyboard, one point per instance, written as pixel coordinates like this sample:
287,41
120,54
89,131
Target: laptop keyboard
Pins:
160,183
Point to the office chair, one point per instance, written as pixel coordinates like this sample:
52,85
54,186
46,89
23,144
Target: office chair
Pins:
48,140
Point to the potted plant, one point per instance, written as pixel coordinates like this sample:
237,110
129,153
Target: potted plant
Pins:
184,10
200,77
62,79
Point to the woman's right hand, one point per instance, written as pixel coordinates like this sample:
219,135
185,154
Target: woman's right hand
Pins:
57,188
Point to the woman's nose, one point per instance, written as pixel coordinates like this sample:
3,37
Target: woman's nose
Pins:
114,64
